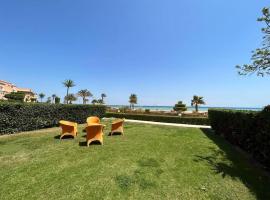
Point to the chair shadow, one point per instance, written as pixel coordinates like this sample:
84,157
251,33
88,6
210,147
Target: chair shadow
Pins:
257,183
84,144
57,137
114,134
66,137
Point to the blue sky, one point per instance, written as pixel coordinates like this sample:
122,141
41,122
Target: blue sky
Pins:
163,51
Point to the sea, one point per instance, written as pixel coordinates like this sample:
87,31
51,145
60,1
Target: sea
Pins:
189,108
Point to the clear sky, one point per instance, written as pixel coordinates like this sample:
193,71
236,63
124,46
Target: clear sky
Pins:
161,50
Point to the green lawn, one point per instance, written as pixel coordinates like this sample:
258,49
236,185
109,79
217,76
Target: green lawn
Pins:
149,162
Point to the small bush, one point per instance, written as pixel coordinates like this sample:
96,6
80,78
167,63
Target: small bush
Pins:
57,100
161,118
147,111
249,130
15,96
180,107
266,108
17,117
124,109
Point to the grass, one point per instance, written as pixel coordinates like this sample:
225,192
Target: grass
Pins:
149,162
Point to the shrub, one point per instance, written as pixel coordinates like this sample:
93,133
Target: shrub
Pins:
32,100
249,130
161,118
57,100
16,117
15,96
180,107
147,111
266,108
124,109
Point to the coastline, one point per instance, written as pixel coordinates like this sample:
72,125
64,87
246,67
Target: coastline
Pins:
189,108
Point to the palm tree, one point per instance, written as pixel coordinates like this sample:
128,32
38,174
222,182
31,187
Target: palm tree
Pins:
133,100
53,98
103,95
41,96
70,97
68,84
196,101
84,93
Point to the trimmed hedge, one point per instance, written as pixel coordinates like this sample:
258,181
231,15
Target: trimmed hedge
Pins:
161,118
17,117
249,130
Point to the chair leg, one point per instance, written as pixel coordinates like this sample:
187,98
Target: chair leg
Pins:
88,143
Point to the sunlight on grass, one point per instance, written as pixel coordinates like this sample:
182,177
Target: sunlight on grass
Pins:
149,162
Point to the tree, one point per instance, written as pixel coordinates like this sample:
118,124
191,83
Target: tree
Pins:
15,96
86,101
100,101
261,56
196,101
133,100
33,99
70,98
41,96
94,101
103,95
84,93
68,84
49,100
180,107
53,98
57,100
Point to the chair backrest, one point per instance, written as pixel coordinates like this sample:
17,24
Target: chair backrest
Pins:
118,123
66,123
68,127
93,120
94,130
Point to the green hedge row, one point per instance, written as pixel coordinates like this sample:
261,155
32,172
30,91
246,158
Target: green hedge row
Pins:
161,118
247,129
17,117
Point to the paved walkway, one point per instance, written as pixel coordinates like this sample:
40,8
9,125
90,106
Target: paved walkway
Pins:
165,124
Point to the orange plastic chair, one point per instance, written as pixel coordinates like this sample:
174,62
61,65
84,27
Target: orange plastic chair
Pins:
68,128
94,133
93,120
117,127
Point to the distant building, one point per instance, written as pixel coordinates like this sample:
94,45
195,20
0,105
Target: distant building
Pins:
7,88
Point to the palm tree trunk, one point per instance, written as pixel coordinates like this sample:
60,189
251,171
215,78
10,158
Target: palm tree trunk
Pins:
67,95
196,107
